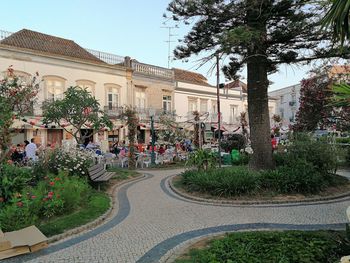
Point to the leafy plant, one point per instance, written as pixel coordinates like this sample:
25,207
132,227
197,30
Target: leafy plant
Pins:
283,247
12,180
79,109
202,159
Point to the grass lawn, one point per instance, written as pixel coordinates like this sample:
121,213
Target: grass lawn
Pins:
122,173
270,247
98,204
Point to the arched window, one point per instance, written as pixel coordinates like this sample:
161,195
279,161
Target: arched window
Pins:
88,85
54,87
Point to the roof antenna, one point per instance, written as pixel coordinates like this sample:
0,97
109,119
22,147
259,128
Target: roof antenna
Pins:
169,41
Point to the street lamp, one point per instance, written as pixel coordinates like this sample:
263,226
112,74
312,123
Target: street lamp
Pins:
152,113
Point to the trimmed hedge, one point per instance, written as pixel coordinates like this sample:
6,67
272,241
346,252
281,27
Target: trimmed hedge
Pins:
271,247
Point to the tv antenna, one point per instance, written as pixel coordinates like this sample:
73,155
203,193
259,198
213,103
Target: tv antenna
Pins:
169,41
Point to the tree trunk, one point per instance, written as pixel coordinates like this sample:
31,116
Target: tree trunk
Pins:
258,111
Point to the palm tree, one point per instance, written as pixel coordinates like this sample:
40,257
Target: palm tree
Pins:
338,18
341,96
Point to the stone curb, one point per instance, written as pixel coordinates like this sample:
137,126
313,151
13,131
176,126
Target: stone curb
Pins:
98,221
232,202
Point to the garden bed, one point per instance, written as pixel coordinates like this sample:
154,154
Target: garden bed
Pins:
264,247
241,185
97,205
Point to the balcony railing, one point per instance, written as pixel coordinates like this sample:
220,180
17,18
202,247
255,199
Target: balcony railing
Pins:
4,34
113,111
154,71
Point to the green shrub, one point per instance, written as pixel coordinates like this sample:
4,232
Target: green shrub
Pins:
16,215
222,182
301,178
319,154
342,140
283,247
12,180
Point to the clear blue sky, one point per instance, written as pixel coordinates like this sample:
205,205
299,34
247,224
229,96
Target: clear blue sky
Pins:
127,28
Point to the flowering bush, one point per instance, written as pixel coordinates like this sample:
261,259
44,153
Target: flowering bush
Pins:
73,160
55,195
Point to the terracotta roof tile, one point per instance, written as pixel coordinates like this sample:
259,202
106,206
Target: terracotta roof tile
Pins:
191,77
48,44
236,84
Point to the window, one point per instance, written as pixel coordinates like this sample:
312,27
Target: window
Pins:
233,110
166,103
140,99
88,85
282,98
192,105
112,98
203,105
54,87
214,106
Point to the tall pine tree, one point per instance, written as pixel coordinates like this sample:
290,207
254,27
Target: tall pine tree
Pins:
259,34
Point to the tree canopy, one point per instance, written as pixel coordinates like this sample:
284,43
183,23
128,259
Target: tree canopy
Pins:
76,111
259,34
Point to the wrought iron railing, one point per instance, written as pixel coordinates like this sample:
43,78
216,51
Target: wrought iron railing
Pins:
4,34
107,57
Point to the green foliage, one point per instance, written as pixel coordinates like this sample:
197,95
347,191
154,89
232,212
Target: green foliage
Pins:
270,247
12,180
202,159
92,208
222,182
341,94
337,18
79,109
320,154
56,195
16,215
233,141
302,177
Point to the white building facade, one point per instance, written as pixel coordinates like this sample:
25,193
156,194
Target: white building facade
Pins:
287,103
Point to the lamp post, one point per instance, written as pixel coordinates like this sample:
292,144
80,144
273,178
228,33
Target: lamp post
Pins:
218,105
153,155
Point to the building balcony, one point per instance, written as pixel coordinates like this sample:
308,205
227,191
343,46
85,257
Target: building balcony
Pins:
113,111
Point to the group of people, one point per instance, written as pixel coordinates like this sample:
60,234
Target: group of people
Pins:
24,153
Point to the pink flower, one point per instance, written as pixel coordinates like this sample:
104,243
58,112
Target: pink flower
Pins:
19,204
52,183
33,197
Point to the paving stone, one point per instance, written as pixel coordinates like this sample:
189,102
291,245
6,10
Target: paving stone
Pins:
156,221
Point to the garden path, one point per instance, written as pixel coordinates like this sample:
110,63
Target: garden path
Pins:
152,222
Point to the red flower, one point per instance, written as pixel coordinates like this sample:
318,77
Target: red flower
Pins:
33,197
52,183
2,199
45,199
57,179
19,204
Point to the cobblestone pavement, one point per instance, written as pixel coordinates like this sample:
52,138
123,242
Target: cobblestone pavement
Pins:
152,220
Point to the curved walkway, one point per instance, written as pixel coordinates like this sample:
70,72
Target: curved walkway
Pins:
152,220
